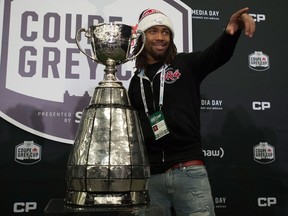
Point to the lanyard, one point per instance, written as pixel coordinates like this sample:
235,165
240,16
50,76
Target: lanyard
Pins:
161,95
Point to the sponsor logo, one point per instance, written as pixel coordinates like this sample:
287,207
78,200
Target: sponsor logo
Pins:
258,17
28,153
257,105
259,61
264,153
214,153
45,81
211,104
266,201
205,14
24,207
220,202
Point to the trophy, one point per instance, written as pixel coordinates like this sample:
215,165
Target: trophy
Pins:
111,45
108,165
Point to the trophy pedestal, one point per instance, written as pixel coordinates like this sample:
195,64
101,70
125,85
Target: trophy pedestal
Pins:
57,207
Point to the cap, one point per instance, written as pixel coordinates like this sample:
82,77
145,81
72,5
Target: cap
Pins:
152,17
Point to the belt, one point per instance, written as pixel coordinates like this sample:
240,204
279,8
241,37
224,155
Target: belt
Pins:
187,163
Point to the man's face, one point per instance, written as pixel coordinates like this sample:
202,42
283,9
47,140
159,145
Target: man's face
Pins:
157,43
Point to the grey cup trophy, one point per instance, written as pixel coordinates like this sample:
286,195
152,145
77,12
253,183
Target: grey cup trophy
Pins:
108,165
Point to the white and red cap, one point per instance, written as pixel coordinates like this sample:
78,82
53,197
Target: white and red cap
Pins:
152,17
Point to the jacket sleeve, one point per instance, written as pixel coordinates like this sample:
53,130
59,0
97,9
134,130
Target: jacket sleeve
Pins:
214,56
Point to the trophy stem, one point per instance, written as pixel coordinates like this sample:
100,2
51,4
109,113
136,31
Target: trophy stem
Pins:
109,76
110,70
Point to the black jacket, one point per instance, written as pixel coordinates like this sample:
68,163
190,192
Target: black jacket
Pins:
181,105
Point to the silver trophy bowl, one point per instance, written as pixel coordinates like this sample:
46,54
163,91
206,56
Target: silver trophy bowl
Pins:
110,41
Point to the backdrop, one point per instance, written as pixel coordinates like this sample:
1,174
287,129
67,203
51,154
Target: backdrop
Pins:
45,83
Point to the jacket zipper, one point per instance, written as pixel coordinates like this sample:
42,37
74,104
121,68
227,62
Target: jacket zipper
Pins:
151,85
154,106
163,153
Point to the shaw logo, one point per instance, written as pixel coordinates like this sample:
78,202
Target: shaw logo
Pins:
259,61
264,153
24,207
266,201
28,153
214,153
44,79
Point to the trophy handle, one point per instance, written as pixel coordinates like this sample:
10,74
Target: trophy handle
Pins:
88,35
136,36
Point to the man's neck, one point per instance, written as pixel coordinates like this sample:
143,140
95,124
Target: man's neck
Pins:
152,69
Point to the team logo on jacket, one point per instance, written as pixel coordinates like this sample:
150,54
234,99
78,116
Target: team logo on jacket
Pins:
172,76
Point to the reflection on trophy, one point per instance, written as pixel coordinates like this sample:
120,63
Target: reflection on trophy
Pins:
108,165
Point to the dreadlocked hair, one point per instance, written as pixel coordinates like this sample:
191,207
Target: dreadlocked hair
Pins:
141,59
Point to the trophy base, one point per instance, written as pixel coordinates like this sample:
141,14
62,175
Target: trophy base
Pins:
57,207
132,198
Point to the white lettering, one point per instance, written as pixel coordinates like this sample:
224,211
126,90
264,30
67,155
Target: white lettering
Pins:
21,207
257,105
78,116
220,200
266,201
258,17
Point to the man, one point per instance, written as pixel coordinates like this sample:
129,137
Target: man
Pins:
165,91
